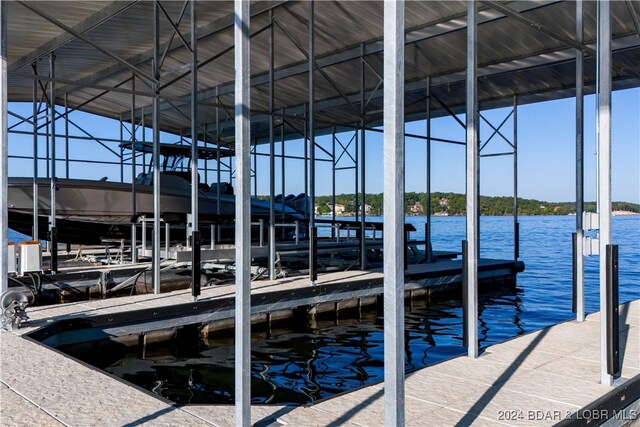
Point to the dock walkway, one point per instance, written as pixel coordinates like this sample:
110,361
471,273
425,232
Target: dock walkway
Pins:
535,379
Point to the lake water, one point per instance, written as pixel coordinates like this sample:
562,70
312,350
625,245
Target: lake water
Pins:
298,364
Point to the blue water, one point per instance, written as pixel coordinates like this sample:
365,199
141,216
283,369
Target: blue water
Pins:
297,364
545,248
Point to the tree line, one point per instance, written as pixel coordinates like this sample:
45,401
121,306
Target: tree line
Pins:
455,204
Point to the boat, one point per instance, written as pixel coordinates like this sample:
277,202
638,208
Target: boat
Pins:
87,211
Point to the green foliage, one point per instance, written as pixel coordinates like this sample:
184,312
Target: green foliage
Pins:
455,204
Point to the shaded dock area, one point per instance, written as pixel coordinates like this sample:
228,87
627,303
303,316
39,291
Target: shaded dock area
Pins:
539,378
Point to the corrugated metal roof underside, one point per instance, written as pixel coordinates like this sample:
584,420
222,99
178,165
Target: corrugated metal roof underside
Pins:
515,59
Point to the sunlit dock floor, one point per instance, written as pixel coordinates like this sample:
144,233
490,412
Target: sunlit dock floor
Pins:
554,371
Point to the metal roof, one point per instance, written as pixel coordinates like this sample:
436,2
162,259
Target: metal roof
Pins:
526,54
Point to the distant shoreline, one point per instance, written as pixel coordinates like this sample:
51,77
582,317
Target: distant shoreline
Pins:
352,214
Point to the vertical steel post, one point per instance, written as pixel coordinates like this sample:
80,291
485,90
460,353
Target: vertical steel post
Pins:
243,215
272,158
393,170
472,180
4,152
66,136
218,171
282,164
516,225
155,261
195,233
579,259
52,229
120,144
333,181
604,170
363,204
427,205
35,153
144,139
312,137
134,208
613,321
305,130
356,164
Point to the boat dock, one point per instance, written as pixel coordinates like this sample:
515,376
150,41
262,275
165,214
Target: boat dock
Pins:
540,378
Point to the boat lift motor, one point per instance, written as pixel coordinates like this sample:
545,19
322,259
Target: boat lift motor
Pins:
13,304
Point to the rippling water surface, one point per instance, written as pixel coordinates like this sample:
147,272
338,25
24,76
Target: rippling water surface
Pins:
299,364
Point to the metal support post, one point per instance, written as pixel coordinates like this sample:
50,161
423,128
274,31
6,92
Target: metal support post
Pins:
516,224
167,234
195,234
4,153
603,72
243,215
613,331
312,125
465,294
218,171
134,208
144,139
313,253
261,230
143,222
35,154
155,261
52,222
393,151
282,164
472,181
195,265
427,206
333,183
120,145
66,137
306,153
579,258
272,159
363,242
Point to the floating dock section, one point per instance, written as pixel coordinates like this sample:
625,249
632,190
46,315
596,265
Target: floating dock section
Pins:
541,378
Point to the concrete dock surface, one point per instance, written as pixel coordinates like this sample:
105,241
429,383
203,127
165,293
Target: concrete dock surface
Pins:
536,379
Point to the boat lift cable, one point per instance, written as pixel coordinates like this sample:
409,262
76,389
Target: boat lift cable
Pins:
25,285
131,281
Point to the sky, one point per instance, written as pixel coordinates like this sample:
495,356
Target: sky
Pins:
546,154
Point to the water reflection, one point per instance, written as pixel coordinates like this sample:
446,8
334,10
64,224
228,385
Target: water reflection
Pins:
299,364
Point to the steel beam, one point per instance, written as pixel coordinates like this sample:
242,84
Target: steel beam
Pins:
272,159
120,144
604,171
35,155
502,8
103,15
472,181
66,137
363,204
4,152
195,275
634,16
393,170
429,30
243,215
52,139
579,267
427,237
516,225
134,207
155,119
312,135
86,40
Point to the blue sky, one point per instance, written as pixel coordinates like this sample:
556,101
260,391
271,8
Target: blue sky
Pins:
546,154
